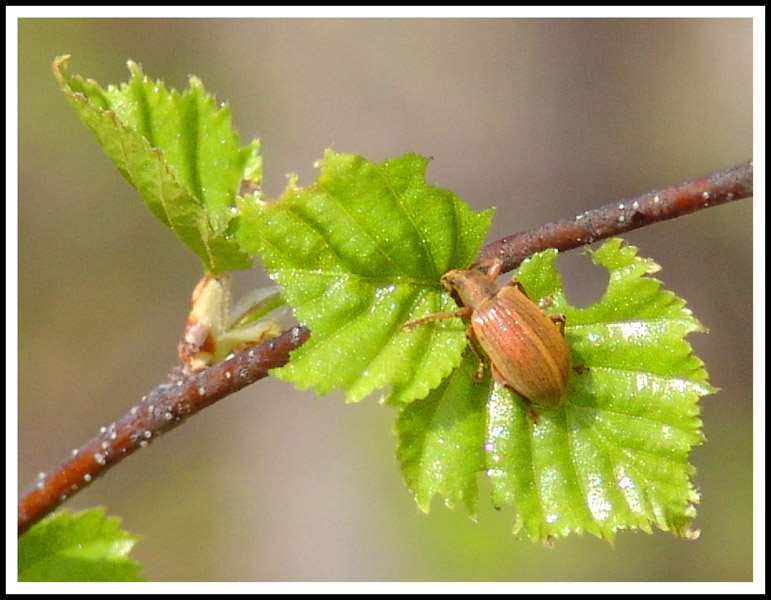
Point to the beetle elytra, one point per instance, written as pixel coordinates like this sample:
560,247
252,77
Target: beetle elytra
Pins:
526,347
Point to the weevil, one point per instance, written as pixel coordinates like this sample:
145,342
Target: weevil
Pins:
526,347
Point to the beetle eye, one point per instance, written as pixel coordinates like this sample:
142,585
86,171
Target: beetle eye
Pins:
449,284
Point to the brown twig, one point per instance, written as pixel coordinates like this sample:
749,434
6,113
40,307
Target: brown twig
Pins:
625,215
163,409
170,404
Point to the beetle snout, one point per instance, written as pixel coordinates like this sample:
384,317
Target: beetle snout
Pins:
450,278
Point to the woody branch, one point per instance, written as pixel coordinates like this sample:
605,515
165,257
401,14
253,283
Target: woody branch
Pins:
170,404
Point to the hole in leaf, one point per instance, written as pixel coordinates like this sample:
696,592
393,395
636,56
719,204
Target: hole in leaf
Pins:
584,282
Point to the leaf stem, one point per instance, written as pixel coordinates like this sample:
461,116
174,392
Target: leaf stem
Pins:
169,404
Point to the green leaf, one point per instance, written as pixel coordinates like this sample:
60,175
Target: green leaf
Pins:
614,455
439,450
84,547
178,151
359,253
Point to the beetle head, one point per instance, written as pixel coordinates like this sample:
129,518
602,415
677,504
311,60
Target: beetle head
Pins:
471,287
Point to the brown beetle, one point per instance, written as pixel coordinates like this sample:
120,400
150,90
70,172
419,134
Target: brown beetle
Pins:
526,347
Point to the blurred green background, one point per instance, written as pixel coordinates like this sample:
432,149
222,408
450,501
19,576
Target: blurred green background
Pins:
540,118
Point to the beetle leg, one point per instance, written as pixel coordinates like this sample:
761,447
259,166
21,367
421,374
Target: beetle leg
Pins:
463,313
490,266
518,285
532,414
473,342
559,321
498,376
545,302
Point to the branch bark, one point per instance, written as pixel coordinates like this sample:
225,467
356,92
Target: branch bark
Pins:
163,409
625,215
170,404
